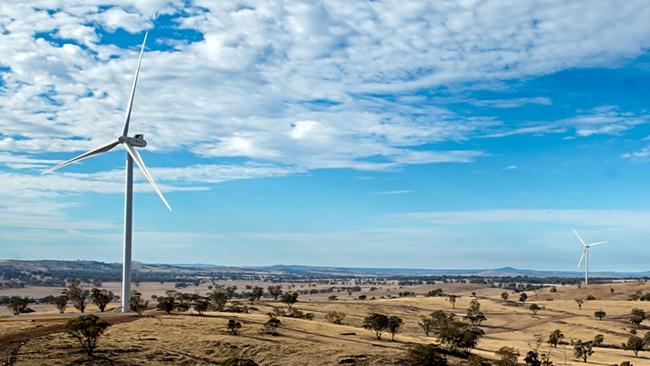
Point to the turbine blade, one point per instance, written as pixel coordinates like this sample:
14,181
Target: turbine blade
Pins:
138,160
598,243
584,251
129,107
579,238
93,152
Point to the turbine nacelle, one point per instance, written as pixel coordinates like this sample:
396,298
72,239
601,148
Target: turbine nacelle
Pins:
137,140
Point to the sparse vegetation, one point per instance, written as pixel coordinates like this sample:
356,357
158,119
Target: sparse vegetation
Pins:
583,350
77,295
335,317
101,298
234,326
425,355
86,330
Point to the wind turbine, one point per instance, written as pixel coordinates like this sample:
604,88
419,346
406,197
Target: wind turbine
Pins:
585,254
129,144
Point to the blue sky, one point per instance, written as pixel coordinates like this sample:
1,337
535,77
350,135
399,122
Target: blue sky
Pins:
446,134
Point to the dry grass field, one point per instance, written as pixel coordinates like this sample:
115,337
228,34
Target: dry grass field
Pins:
189,339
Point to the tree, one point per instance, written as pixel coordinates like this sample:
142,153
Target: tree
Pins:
532,359
19,305
138,304
275,291
504,296
637,317
474,313
459,335
271,326
508,356
201,304
376,323
583,350
635,344
580,302
425,355
523,297
335,317
394,323
61,302
101,298
87,329
600,314
452,300
427,324
166,303
256,294
234,326
598,340
219,298
555,337
289,298
439,320
534,308
77,295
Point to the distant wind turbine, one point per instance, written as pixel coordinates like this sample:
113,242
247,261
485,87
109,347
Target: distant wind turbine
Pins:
129,144
585,254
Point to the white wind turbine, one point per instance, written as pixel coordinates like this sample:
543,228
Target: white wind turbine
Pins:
129,144
585,254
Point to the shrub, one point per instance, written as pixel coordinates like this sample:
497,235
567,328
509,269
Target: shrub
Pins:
19,305
166,303
234,326
235,361
137,303
504,296
289,298
201,305
87,329
507,356
425,355
598,340
637,317
271,326
61,303
534,308
335,317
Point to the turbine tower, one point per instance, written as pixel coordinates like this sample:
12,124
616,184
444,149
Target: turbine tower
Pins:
585,254
132,154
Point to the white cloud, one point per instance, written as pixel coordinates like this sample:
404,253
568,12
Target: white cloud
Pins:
594,217
248,88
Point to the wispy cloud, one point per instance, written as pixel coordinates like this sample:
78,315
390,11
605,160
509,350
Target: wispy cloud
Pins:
394,192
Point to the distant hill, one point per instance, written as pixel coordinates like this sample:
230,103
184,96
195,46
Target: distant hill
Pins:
112,271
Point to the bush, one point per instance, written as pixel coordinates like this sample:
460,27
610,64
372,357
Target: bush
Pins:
507,356
87,329
19,305
138,304
166,304
235,361
271,326
335,317
234,326
425,355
